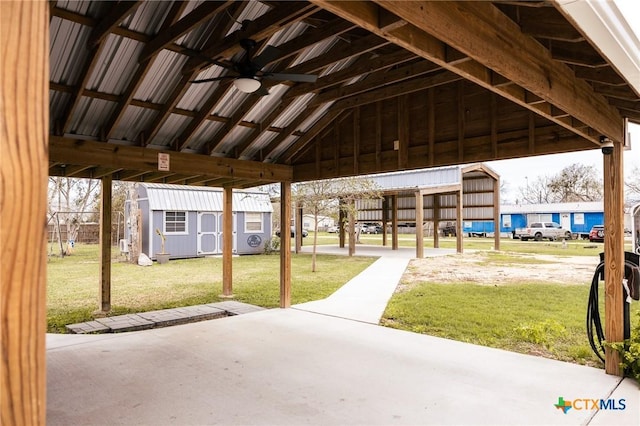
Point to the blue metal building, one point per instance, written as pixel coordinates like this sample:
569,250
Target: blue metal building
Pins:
191,219
578,217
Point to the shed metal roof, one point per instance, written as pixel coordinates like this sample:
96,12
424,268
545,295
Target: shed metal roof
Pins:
190,198
583,207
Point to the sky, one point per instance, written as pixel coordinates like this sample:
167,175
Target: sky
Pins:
515,173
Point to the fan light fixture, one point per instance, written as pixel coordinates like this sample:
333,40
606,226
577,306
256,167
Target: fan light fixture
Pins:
246,85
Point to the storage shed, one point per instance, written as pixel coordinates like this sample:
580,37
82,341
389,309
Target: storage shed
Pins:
191,220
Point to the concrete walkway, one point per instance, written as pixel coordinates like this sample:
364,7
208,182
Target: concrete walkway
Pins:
365,297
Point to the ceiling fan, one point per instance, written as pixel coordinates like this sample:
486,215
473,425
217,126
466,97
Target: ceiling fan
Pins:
247,73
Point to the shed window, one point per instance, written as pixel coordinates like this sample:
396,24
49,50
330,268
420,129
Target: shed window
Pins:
253,222
175,222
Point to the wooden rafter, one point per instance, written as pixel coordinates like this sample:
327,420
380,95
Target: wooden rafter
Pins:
523,61
260,29
138,77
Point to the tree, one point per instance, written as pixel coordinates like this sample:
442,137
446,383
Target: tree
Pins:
320,197
633,185
576,183
537,192
73,200
314,197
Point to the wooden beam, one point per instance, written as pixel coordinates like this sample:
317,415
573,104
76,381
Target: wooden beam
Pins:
385,219
378,143
613,255
351,218
227,242
478,25
403,132
462,121
431,126
378,79
259,29
24,96
364,65
79,152
140,74
104,304
117,13
419,225
187,23
285,245
514,55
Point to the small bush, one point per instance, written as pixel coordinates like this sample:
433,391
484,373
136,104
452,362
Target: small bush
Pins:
272,245
630,351
541,333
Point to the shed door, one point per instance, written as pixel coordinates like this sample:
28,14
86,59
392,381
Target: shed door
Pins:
235,233
208,233
565,220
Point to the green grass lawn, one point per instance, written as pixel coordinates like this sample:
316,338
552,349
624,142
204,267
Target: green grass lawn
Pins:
539,319
73,283
572,247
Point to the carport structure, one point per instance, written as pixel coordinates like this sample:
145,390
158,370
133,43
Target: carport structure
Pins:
401,85
453,193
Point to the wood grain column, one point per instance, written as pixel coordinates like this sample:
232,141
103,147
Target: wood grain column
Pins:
298,227
613,255
436,220
419,225
385,219
352,228
227,242
496,214
285,245
459,248
341,223
105,245
24,126
394,222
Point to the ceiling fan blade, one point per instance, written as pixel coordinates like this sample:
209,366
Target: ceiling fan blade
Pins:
302,78
262,91
268,55
209,80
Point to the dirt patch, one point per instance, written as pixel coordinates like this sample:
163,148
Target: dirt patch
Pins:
489,268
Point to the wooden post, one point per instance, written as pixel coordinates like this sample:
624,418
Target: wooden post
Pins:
613,255
436,221
298,228
24,118
105,245
227,242
285,245
341,220
394,222
459,247
352,229
496,214
385,219
419,225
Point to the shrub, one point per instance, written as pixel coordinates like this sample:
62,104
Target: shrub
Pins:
541,333
630,351
272,245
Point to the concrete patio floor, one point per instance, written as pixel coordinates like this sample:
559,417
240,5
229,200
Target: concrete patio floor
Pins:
290,367
321,363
